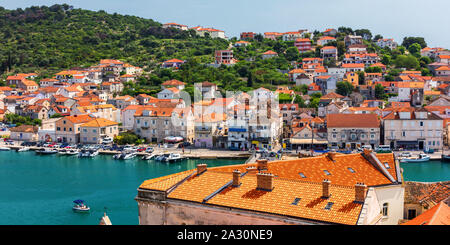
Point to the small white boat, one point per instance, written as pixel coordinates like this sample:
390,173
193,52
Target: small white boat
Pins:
4,148
173,157
88,153
80,206
421,158
72,152
47,151
119,156
62,152
149,156
23,149
162,157
130,155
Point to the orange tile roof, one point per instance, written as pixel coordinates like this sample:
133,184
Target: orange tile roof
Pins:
437,215
173,61
297,71
78,118
99,123
355,65
352,121
269,52
173,82
288,185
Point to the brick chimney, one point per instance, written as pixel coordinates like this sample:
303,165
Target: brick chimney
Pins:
326,188
332,155
201,168
264,181
262,164
236,178
360,192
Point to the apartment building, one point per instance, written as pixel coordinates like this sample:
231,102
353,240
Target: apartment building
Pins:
413,128
351,131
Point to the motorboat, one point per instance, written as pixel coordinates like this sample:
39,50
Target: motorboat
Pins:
445,158
162,157
23,149
4,148
72,152
62,152
88,153
119,155
46,151
421,158
173,157
149,156
129,155
80,206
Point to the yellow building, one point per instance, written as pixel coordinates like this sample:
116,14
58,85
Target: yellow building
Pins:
352,77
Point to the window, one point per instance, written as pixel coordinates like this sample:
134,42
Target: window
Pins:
296,200
385,209
421,124
84,130
329,205
387,165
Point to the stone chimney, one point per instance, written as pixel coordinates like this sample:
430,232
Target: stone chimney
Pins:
326,188
264,181
201,168
262,164
236,178
360,192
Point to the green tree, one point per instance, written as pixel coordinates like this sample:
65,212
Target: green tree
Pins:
408,41
406,61
379,91
344,88
414,49
292,53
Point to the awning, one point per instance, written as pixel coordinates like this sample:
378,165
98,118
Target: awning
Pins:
307,141
407,142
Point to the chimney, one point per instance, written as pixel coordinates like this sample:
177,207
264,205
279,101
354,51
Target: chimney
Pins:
367,152
201,168
264,181
262,164
360,192
326,188
236,178
332,155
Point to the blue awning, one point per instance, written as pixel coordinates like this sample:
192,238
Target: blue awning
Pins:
237,130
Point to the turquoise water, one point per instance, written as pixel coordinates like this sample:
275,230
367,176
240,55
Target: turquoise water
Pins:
430,171
39,189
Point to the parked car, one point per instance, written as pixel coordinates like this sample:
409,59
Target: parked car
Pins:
141,149
149,150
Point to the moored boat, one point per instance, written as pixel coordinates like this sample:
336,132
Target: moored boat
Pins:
129,155
421,158
173,157
23,149
80,206
4,148
445,158
46,151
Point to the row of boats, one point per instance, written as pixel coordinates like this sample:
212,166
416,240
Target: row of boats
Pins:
125,155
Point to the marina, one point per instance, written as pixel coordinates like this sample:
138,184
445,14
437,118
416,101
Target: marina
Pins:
32,183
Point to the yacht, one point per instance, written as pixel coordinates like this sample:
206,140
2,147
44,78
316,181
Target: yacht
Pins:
72,152
46,151
162,157
149,156
173,157
23,149
4,148
129,155
88,153
421,158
